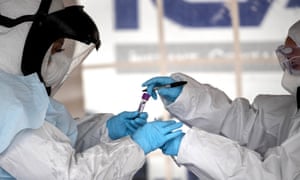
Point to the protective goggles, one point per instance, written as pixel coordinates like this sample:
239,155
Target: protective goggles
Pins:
289,59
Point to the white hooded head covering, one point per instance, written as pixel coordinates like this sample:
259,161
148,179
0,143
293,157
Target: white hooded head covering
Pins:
292,82
13,39
39,24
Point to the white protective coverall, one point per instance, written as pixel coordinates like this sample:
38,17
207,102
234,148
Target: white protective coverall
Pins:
47,152
235,139
49,143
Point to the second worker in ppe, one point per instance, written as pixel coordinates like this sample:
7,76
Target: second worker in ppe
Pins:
39,139
233,139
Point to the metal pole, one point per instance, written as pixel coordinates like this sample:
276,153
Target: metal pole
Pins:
237,51
162,43
163,66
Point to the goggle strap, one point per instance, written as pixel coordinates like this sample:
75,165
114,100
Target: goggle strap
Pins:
9,22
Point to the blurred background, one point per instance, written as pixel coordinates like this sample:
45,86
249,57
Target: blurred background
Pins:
228,44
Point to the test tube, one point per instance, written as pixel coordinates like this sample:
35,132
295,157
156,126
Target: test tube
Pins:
145,98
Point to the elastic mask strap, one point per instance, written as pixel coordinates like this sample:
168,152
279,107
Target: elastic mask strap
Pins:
298,97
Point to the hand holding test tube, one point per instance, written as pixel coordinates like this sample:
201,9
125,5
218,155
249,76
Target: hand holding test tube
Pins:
146,96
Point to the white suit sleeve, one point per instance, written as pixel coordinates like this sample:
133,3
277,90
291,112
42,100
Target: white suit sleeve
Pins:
213,157
46,153
256,126
92,130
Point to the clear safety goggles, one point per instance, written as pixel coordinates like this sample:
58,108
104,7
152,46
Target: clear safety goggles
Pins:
289,59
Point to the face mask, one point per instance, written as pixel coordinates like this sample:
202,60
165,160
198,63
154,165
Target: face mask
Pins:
54,70
290,82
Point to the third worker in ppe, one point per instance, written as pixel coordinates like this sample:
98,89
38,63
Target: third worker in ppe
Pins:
38,137
233,139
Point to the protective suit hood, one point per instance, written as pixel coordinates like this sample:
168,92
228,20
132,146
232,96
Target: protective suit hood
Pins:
294,33
292,82
29,36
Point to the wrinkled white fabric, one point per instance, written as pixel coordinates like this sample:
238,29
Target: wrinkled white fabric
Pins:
235,139
47,153
290,82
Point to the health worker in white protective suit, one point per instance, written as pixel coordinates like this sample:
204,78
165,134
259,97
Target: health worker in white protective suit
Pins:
41,42
235,139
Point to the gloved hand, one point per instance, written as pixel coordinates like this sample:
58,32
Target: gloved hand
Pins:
155,134
169,94
172,146
125,123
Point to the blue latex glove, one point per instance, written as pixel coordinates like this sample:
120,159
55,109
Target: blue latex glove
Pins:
172,146
155,134
169,94
125,123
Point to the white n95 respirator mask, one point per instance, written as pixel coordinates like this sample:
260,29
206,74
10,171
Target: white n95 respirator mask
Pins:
60,61
54,69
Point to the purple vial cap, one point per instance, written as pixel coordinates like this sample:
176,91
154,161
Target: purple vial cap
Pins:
146,96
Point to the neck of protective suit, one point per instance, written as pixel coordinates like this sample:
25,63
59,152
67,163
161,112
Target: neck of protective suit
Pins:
46,28
290,82
26,105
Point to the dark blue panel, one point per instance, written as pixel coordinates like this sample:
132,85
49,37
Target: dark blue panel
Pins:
293,3
197,14
126,14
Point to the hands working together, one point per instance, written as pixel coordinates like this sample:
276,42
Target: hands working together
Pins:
150,136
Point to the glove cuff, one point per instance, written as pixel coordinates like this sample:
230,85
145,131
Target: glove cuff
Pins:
142,143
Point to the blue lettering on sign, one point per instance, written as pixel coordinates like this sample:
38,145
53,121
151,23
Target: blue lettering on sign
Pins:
214,14
191,14
196,14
